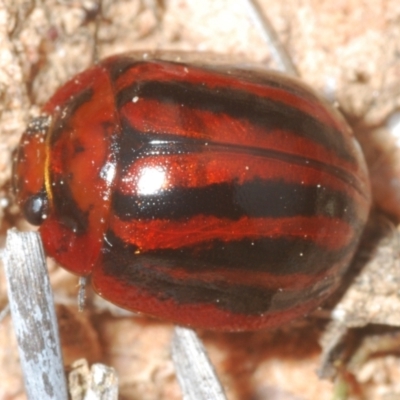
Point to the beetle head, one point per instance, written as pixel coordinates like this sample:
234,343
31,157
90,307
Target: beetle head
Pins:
29,168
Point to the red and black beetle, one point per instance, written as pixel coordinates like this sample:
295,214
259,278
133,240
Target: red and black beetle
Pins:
213,197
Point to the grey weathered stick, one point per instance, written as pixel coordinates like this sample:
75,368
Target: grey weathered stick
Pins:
278,51
194,370
33,315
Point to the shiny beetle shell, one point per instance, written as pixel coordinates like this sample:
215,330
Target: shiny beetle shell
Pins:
212,197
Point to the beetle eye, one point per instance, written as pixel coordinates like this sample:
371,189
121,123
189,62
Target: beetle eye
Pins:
35,208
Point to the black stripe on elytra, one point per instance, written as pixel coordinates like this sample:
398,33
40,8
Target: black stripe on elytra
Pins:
131,144
67,211
136,144
265,112
119,262
284,255
257,198
257,76
69,108
273,79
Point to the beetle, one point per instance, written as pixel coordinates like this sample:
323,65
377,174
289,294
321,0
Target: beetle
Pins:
211,196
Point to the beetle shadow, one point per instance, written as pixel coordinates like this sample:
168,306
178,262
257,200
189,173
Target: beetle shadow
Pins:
252,359
379,226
